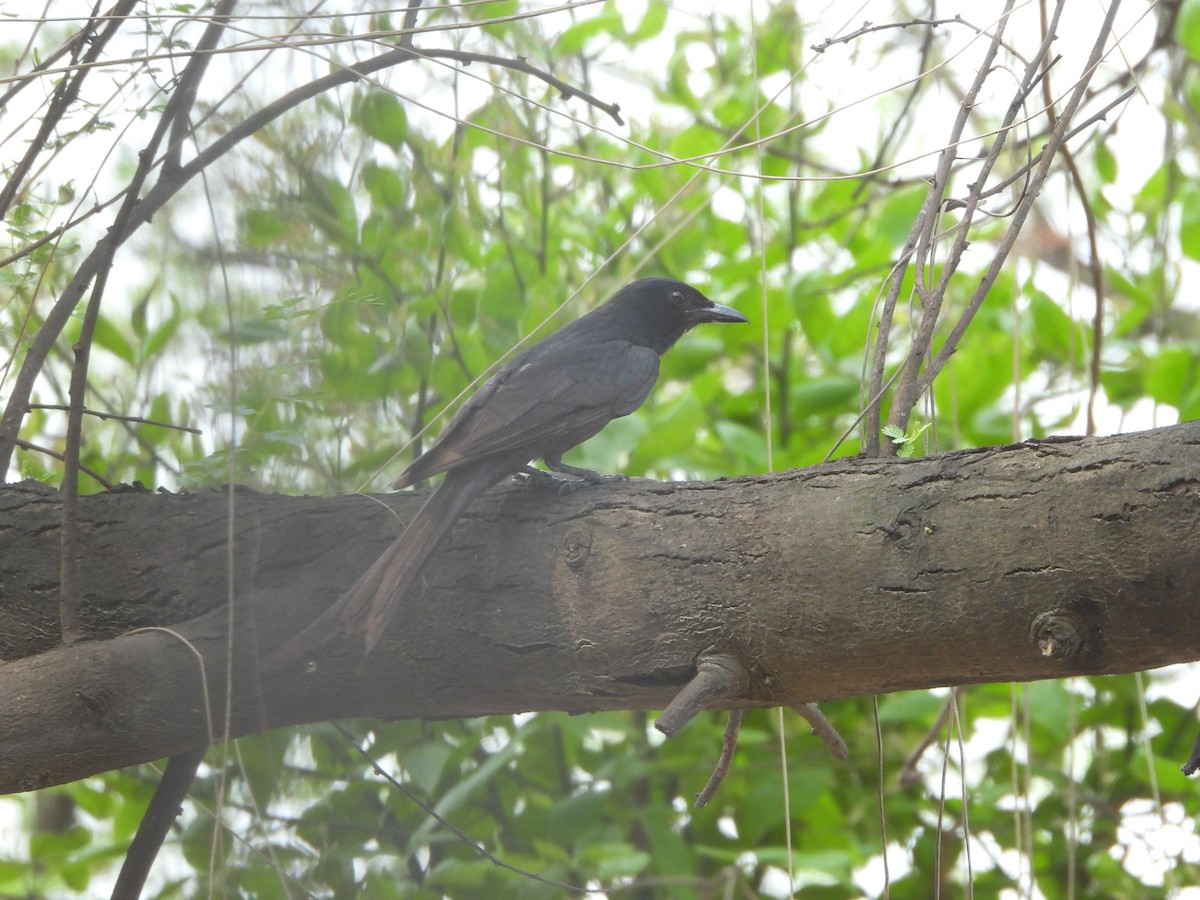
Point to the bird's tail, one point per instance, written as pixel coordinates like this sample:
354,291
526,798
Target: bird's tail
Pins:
370,604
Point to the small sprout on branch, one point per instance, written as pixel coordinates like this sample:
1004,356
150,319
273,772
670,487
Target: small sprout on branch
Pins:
907,443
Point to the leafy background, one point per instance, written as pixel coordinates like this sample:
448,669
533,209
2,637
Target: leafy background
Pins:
327,293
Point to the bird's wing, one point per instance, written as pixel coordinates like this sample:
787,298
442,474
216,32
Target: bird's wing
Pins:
544,402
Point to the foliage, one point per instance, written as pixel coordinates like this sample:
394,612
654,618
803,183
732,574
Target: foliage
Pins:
370,261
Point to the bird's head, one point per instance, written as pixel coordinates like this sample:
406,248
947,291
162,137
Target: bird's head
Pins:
660,310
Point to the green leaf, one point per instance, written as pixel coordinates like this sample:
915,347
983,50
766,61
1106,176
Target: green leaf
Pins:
1187,28
262,228
1189,224
824,394
1171,375
1106,163
1054,334
112,339
579,35
381,116
651,25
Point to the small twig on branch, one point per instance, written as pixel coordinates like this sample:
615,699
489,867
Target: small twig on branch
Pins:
1028,167
1094,267
520,64
907,390
931,24
1057,138
94,36
410,23
718,677
901,119
122,223
823,728
909,774
137,420
920,236
54,454
724,761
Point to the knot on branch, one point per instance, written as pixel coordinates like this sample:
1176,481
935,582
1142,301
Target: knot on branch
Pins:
1058,634
576,548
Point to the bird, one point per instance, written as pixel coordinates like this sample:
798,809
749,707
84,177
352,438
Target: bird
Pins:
545,400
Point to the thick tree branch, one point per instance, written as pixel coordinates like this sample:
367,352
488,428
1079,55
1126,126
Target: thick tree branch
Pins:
1038,560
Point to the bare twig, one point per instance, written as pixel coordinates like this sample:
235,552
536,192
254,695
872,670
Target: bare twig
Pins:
909,775
1094,267
54,454
520,64
137,420
1193,761
410,23
919,236
719,676
823,728
724,761
94,38
908,389
1087,123
172,182
901,119
69,537
1056,141
930,24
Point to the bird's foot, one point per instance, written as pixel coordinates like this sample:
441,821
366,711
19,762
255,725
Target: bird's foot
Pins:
577,478
531,477
567,485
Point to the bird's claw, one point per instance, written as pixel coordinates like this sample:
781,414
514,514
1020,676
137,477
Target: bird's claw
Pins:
536,478
567,486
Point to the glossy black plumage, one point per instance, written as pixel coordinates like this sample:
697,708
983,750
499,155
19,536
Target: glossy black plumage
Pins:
546,400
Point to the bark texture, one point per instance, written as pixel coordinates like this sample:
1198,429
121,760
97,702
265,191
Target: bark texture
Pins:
1037,560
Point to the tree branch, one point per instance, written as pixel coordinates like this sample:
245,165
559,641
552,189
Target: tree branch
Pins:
1072,556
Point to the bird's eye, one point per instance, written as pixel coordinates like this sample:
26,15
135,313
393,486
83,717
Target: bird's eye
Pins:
677,298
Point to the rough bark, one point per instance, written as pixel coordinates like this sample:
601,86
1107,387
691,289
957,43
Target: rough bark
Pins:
1036,560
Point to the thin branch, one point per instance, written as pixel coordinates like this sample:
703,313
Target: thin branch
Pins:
719,677
909,388
919,236
910,774
410,23
137,420
724,761
870,28
164,807
823,728
69,538
1023,171
65,95
1094,267
184,96
1055,143
901,119
171,183
520,64
54,454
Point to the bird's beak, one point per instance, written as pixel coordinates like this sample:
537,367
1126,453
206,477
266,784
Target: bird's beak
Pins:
717,313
